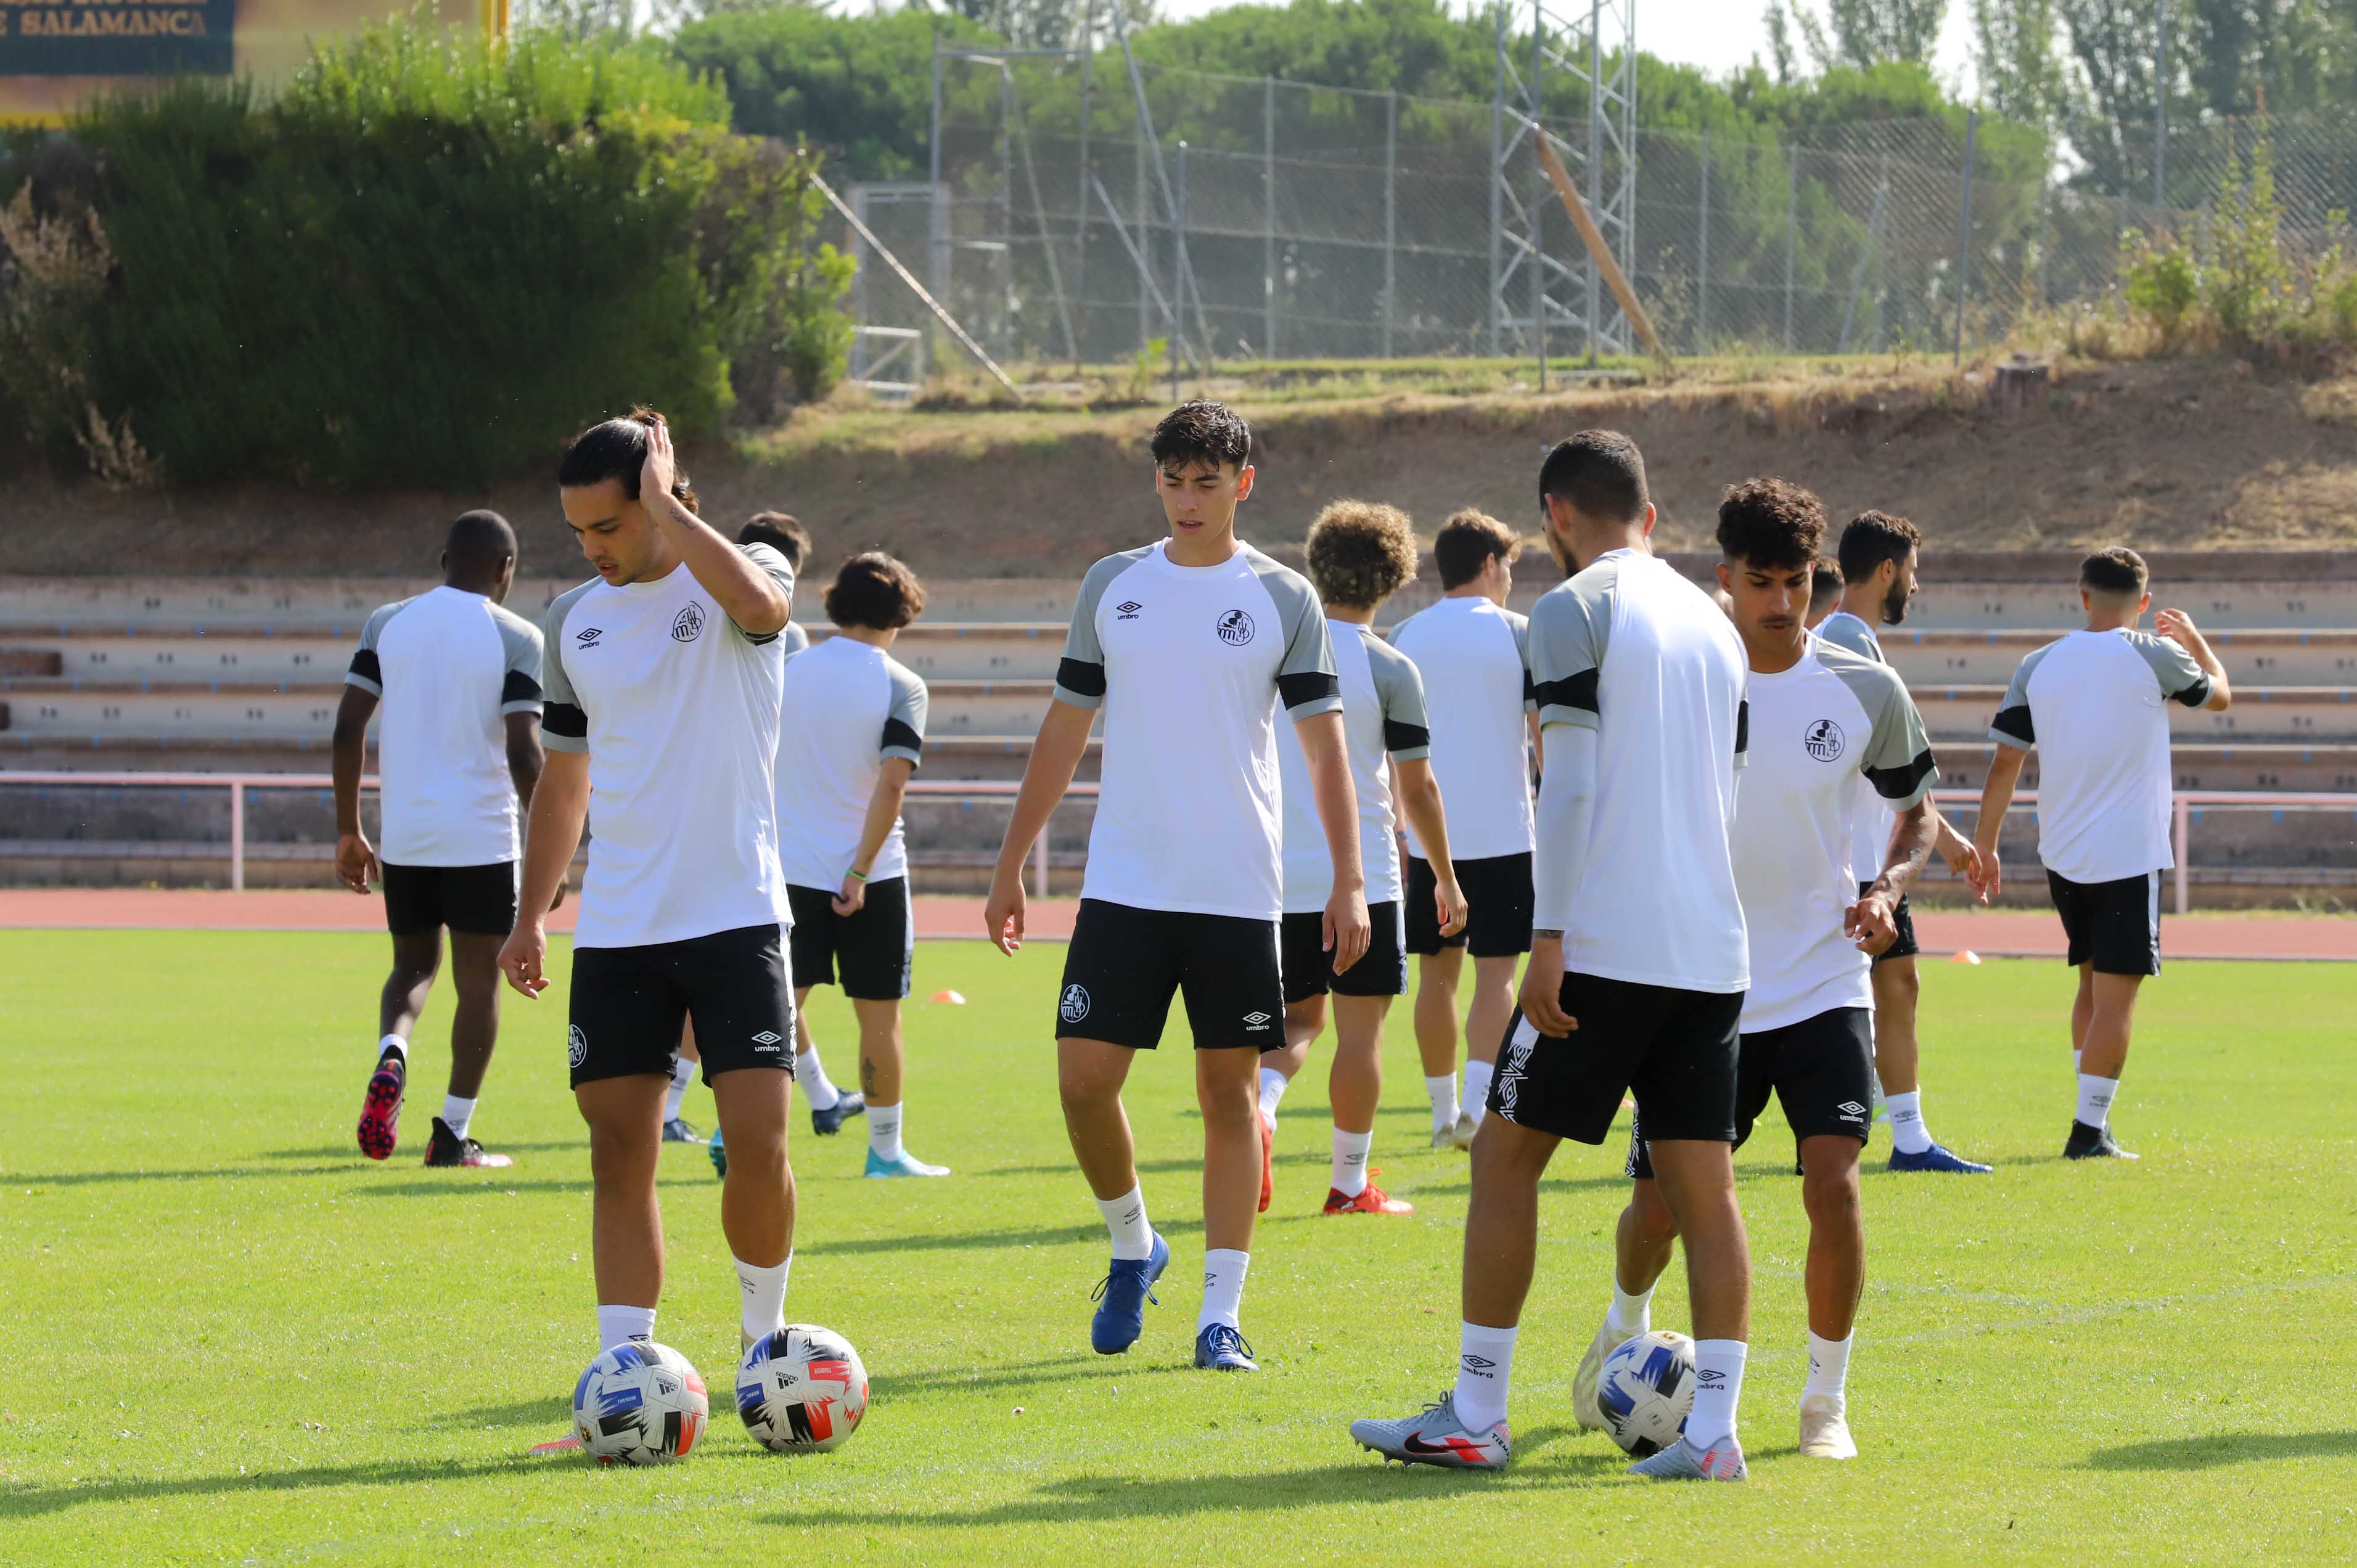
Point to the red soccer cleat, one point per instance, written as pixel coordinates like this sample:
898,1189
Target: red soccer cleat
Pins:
1371,1199
380,1126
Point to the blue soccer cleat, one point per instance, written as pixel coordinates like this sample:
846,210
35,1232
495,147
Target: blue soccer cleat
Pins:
1938,1157
719,1153
906,1165
826,1123
1221,1349
1121,1298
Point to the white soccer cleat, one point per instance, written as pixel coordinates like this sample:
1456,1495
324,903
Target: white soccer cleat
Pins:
1457,1135
1722,1461
1584,1406
1824,1428
1434,1436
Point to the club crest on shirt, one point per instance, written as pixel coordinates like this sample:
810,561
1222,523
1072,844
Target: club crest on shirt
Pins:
1235,629
688,624
1823,740
1076,1004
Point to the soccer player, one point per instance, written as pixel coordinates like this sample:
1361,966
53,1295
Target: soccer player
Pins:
1824,591
1189,645
458,676
664,677
1879,553
1359,555
1638,967
1469,649
2091,705
853,729
785,535
1821,720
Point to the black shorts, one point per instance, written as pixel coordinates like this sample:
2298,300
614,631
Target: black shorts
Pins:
1497,907
1676,1049
872,950
2115,926
1126,963
630,1004
477,900
1820,1070
1310,969
1904,919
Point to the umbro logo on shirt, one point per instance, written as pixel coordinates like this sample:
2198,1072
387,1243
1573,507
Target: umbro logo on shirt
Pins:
1823,740
587,636
688,624
1127,610
1235,629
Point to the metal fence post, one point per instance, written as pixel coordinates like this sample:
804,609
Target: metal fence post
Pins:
1964,228
1702,266
1268,212
939,229
237,835
1080,211
1391,214
1497,187
1178,265
2160,111
1595,163
1792,239
1540,192
1145,247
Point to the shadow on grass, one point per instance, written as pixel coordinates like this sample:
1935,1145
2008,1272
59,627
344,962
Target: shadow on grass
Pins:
209,1173
1025,1374
353,1156
551,1410
2225,1448
20,1500
1193,1167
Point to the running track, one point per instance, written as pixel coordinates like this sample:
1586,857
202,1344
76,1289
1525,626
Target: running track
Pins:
1996,933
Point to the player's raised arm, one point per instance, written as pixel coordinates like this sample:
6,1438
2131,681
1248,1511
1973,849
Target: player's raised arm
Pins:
2212,692
759,600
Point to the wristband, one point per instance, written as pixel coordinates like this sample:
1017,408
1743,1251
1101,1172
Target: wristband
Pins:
861,874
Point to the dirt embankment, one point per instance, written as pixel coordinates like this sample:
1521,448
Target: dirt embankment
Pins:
2189,454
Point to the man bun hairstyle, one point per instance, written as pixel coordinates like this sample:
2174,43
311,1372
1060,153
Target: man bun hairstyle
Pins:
616,449
779,531
875,591
1769,522
1469,542
1872,538
1361,552
1202,432
1600,473
2118,572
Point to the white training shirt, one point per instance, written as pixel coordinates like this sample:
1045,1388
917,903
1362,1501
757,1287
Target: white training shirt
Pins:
450,666
1383,715
1819,731
1190,664
847,707
1869,821
1471,655
677,707
1631,649
2090,705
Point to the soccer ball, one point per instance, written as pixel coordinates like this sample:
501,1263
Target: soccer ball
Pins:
1646,1389
802,1390
639,1403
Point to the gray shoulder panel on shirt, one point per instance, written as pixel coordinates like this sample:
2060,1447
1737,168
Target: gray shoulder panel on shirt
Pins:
365,671
557,686
1079,678
796,639
2013,725
1399,687
1570,628
373,628
904,714
1850,634
2173,667
1307,682
781,571
1898,762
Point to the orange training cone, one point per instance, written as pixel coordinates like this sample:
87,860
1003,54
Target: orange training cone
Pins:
1964,955
954,999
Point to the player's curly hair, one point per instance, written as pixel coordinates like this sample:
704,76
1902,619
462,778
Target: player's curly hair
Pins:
1361,552
1769,521
616,449
1202,432
874,590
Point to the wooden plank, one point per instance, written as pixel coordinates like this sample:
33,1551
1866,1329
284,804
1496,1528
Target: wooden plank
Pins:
1597,251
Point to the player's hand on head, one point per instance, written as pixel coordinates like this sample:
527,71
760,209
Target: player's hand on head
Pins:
356,863
655,475
521,958
1541,997
1449,903
854,894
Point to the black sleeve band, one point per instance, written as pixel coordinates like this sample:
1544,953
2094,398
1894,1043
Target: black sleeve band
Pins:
2196,694
1530,687
2015,722
1081,678
1571,691
1743,729
902,734
365,666
566,720
518,687
1309,686
1398,737
1898,783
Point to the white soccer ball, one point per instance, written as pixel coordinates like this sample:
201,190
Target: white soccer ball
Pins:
1646,1389
639,1403
802,1390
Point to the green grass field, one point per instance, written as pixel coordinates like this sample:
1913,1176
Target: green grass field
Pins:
238,1341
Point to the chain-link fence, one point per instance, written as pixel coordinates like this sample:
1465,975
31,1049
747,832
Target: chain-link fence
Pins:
1080,218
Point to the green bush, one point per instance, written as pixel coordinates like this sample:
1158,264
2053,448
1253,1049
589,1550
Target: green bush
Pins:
2164,282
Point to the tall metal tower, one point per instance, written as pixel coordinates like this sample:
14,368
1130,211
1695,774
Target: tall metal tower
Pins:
1546,294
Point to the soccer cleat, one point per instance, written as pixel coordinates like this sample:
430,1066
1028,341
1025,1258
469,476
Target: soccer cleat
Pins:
677,1131
1824,1428
1371,1199
1220,1348
380,1127
1681,1461
2093,1144
826,1123
1584,1408
447,1148
1121,1298
907,1164
1938,1157
1457,1135
1434,1436
1268,1160
719,1153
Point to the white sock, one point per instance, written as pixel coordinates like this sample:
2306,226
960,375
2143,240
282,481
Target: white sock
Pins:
1828,1368
2095,1096
1223,1286
1273,1085
1907,1129
765,1295
1477,1089
395,1046
456,1113
1632,1311
817,1088
884,1132
1718,1384
682,1073
1442,1093
1133,1236
1349,1177
1485,1365
620,1325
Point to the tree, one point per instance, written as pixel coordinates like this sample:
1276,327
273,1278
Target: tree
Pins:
2017,55
1864,33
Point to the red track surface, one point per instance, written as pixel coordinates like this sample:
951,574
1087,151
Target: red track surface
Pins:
1991,934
